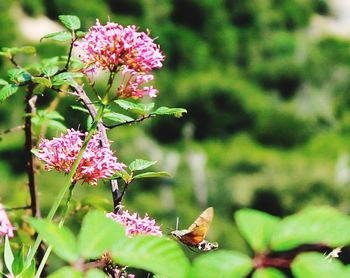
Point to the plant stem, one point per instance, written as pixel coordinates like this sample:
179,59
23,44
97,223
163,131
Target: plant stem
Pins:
29,160
63,219
68,183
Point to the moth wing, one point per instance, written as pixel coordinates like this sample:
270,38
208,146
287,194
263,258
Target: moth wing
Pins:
200,226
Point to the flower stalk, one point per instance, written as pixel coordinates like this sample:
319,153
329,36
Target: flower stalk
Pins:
68,183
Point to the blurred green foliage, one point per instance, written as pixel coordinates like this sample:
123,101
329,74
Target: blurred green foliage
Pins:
268,109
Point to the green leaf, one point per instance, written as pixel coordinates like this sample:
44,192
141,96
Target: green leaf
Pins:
43,81
66,272
314,225
52,115
140,164
315,265
72,22
79,108
256,227
50,70
223,264
98,234
18,75
177,112
59,36
29,272
95,273
3,82
138,108
268,273
62,239
152,175
39,89
18,262
66,78
56,125
27,49
156,254
8,255
81,34
7,91
117,117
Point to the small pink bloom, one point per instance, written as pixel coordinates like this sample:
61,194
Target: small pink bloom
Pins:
111,46
98,161
133,85
6,227
135,225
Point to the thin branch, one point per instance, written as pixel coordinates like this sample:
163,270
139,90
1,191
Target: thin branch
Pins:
12,60
131,122
12,129
70,52
30,100
18,208
104,139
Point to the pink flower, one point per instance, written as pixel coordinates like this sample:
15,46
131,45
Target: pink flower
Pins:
110,46
6,227
98,161
136,225
132,85
119,272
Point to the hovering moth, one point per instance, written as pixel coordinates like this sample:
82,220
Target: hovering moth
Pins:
195,235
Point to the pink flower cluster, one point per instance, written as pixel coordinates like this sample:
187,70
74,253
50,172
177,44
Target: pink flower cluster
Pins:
114,47
135,225
6,227
98,162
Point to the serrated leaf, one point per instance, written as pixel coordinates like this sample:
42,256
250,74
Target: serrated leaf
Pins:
3,82
18,263
59,36
18,75
152,175
72,22
256,227
74,107
94,240
29,272
50,70
315,265
268,273
117,117
62,239
66,272
314,225
95,273
7,91
223,264
156,254
177,112
140,164
137,108
8,255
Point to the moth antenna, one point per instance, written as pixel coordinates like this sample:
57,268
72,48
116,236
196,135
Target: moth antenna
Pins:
177,223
